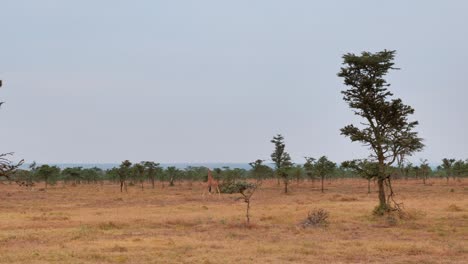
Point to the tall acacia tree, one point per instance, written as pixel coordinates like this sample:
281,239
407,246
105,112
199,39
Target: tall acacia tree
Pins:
281,159
386,129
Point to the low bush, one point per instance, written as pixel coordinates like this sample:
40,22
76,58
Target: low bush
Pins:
235,187
316,218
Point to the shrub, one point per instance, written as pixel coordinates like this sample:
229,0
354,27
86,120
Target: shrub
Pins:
316,218
235,187
454,208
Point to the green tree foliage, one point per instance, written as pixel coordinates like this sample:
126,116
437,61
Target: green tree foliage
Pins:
138,172
282,160
172,173
152,171
386,130
309,168
260,171
425,170
48,174
324,168
73,174
447,166
297,172
124,173
364,168
459,168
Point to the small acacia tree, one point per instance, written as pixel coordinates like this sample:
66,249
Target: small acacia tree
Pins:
324,168
123,172
425,170
260,171
386,129
139,173
48,174
281,159
172,172
310,169
152,170
364,168
447,166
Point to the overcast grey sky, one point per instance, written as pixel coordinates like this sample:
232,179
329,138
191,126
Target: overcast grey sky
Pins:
213,81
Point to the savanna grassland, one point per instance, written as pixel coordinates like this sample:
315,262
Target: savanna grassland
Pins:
98,224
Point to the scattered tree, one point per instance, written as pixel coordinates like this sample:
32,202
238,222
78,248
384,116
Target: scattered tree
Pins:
152,170
386,130
281,159
364,168
324,168
447,166
48,174
124,172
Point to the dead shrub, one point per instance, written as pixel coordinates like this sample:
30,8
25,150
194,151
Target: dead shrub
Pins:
108,226
316,218
349,199
454,208
117,248
182,222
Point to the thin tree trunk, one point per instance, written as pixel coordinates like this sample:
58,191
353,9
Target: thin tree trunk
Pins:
323,179
248,211
368,186
171,183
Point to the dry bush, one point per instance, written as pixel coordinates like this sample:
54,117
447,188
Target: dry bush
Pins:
109,226
181,222
349,199
316,218
117,248
454,208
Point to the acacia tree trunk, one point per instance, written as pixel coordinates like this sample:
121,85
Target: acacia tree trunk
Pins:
248,211
382,198
152,182
171,183
323,179
368,186
123,185
285,185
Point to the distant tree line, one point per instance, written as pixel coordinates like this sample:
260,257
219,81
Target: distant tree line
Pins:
148,174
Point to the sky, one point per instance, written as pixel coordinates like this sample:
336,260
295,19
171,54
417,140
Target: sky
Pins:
213,81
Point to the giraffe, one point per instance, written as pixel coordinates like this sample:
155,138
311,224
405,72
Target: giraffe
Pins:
212,183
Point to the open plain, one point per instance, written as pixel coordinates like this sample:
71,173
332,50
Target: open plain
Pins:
98,224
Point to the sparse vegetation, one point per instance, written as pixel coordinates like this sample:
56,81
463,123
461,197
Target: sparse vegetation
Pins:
316,218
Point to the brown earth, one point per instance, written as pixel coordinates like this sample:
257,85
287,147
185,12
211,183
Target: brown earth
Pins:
98,224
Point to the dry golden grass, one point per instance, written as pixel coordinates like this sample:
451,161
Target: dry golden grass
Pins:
98,224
